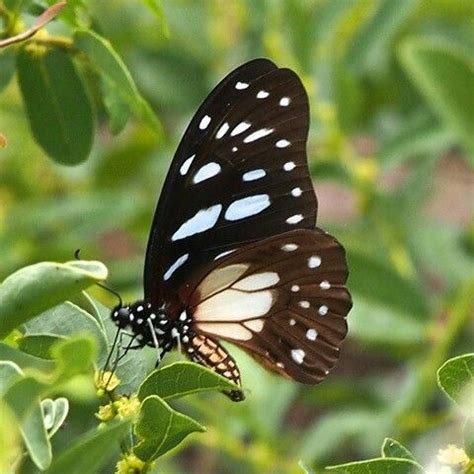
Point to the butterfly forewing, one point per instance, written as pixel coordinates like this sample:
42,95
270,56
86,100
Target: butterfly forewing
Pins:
240,175
283,300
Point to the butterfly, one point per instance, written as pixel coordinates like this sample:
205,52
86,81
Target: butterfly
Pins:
233,252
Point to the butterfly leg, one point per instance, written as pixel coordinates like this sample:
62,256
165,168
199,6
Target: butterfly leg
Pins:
211,354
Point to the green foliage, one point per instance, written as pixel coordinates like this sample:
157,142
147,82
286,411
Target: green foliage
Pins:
106,88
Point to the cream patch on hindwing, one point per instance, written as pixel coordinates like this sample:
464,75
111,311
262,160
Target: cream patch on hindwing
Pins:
298,355
253,175
247,207
207,171
204,123
263,132
257,281
240,128
221,278
186,165
203,220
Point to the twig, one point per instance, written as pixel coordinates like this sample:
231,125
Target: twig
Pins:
48,15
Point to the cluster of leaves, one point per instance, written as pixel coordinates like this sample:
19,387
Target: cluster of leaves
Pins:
390,86
49,356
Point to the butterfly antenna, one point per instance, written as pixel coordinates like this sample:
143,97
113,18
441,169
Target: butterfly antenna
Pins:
77,256
155,340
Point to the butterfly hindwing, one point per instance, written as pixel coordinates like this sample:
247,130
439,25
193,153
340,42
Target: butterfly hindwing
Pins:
283,300
239,175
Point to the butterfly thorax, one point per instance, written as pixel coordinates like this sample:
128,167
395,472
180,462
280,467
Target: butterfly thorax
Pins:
151,326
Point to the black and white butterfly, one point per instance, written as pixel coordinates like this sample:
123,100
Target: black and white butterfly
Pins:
233,252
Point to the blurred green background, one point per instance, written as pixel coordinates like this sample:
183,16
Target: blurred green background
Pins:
391,150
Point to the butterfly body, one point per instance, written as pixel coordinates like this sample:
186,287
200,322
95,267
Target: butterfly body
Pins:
233,252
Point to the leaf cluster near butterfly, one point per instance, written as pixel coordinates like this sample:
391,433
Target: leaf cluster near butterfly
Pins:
233,252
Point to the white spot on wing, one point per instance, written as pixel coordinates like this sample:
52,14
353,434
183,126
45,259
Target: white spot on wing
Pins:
314,261
289,247
285,101
204,123
186,165
262,94
254,175
282,143
241,85
203,220
263,132
292,322
258,281
223,254
295,219
298,355
325,285
247,207
240,128
207,171
289,166
323,310
311,334
304,304
175,266
234,149
296,192
222,130
295,288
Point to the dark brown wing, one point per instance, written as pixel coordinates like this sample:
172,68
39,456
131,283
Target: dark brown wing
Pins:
283,300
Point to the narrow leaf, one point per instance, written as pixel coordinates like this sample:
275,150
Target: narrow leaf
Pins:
90,452
57,105
393,449
445,77
379,466
33,289
161,428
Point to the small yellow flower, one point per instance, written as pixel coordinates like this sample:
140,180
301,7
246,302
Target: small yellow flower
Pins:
106,381
106,412
130,464
452,456
127,406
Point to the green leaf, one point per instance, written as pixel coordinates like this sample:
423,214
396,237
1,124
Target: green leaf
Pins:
10,440
121,91
456,379
33,289
379,466
90,452
36,437
393,449
57,105
38,345
161,428
7,68
445,77
24,361
68,319
9,373
156,7
181,379
469,437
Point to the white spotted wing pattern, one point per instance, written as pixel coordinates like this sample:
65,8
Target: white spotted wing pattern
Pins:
239,175
283,300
